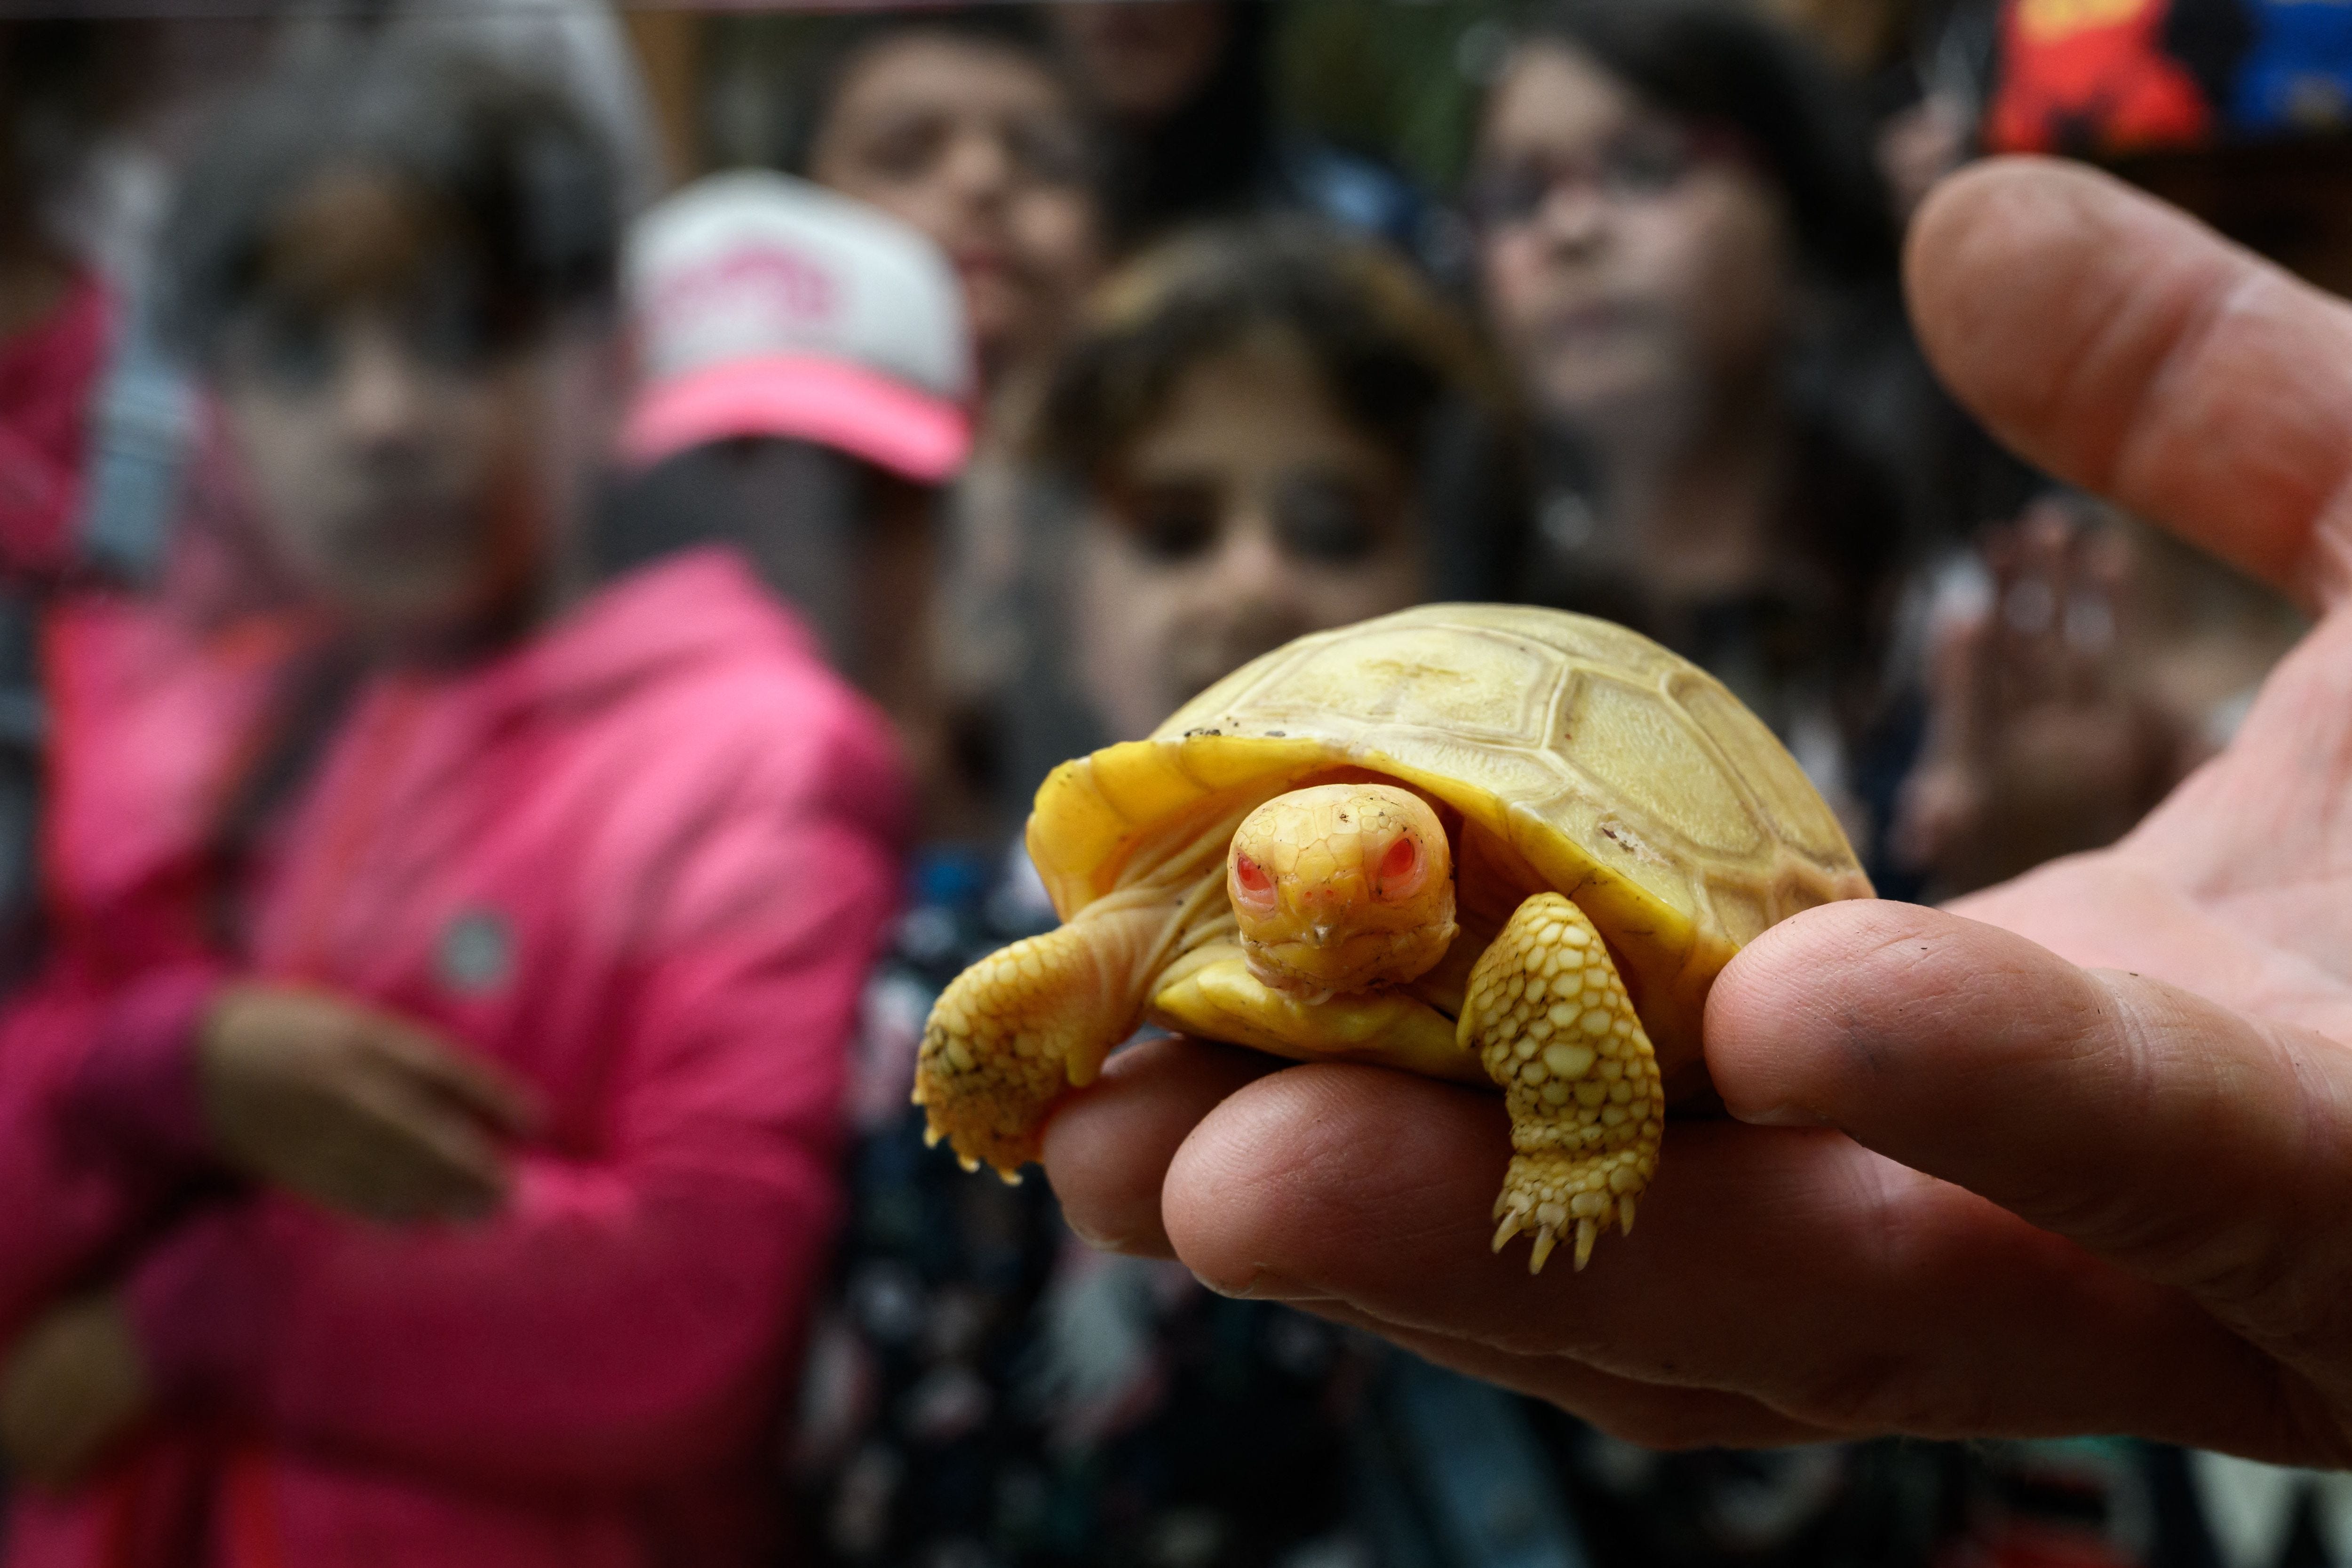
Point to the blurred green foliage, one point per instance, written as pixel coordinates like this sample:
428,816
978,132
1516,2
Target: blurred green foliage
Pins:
1398,79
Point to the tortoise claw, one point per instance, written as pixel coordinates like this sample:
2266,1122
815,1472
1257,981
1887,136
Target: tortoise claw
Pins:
1551,1023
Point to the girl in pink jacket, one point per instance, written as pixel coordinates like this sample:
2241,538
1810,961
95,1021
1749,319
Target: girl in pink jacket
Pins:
417,1146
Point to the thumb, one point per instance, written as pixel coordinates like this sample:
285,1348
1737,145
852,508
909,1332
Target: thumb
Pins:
2117,343
2190,1144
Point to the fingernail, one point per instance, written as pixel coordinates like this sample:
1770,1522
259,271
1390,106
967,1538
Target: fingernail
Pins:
1262,1284
1095,1238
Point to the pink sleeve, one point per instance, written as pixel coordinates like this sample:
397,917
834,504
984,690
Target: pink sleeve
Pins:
98,1123
625,1319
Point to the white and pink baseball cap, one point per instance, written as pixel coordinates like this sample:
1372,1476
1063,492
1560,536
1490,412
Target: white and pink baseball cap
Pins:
765,305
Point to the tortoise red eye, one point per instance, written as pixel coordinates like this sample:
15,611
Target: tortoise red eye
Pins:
1400,869
1252,882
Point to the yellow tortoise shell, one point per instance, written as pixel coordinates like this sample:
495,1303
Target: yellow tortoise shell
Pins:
1625,777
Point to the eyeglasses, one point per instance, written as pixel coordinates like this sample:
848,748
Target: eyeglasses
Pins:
1322,519
1641,164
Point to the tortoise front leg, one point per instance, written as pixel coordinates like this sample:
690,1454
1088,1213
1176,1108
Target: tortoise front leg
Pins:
1012,1034
1550,1022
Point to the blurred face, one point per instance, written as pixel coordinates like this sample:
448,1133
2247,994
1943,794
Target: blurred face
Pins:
1636,268
1249,513
406,465
1144,60
980,148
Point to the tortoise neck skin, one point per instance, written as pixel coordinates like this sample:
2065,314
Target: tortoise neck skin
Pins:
1341,888
1169,902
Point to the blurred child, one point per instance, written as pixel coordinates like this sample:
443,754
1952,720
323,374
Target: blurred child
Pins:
1249,419
1239,441
960,124
1675,216
580,51
419,1145
806,396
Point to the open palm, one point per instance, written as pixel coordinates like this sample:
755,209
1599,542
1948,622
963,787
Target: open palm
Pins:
2074,1156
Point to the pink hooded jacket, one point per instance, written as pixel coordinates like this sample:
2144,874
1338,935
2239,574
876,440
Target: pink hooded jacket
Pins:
643,861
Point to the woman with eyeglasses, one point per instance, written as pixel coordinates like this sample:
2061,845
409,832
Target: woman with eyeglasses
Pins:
1685,255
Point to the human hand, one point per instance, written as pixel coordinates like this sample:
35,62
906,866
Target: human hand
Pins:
71,1387
2039,742
353,1108
1970,1188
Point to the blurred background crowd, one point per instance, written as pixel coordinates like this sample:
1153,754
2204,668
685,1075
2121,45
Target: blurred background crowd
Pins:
544,549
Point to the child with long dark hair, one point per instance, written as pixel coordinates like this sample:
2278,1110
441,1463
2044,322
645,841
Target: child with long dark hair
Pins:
420,1141
1688,258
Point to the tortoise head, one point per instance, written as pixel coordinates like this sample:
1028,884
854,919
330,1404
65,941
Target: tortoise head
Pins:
1341,887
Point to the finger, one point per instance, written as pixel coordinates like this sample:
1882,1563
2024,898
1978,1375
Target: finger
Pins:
2119,344
2004,551
1651,1414
1935,806
2107,559
482,1086
361,1183
2096,625
1790,1268
2193,1146
2033,602
2072,672
2103,569
71,1386
1107,1149
2086,621
414,1159
1958,669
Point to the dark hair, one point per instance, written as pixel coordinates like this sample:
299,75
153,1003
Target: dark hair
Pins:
1391,354
846,42
1715,62
1214,156
59,81
534,193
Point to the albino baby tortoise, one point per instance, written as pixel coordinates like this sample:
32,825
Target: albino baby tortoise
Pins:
1488,843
